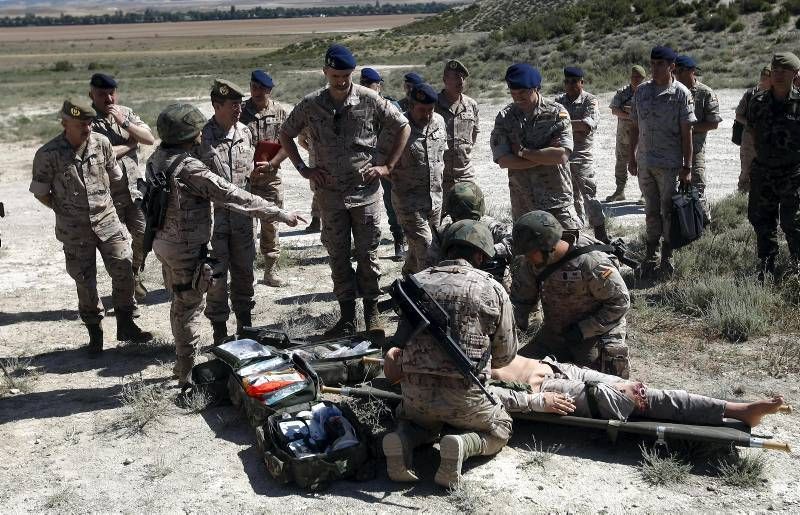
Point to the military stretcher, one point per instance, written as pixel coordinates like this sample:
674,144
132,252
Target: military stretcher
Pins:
731,432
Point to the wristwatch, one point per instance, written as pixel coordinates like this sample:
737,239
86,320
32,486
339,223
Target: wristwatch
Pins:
126,124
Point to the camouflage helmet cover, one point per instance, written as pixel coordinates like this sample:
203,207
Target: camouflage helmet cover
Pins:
469,232
537,230
179,123
465,201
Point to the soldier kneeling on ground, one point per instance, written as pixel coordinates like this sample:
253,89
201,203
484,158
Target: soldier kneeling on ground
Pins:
584,298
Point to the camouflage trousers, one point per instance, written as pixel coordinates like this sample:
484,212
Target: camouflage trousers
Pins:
614,397
622,152
81,263
774,197
747,152
132,217
269,244
363,224
607,353
391,213
522,187
418,226
584,189
178,264
699,182
657,185
314,202
235,252
430,402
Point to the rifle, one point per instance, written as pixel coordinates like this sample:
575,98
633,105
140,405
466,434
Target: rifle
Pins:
155,200
423,312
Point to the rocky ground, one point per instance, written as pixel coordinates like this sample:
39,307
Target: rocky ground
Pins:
67,444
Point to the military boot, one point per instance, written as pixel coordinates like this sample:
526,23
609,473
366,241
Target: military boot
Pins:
372,317
398,447
453,450
601,233
139,292
314,226
666,267
220,331
619,193
399,246
95,346
270,275
243,319
649,265
127,330
346,325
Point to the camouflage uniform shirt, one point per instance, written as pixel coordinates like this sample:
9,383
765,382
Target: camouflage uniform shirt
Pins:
417,179
461,121
583,109
229,155
622,98
659,112
264,124
480,316
129,162
706,109
81,183
776,128
345,141
548,125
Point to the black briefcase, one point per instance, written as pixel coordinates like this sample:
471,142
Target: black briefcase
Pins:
687,217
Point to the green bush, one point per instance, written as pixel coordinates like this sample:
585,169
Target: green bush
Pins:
773,21
63,66
736,27
754,6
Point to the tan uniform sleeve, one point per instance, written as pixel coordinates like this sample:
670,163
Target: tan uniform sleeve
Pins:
606,285
504,340
43,173
203,182
118,183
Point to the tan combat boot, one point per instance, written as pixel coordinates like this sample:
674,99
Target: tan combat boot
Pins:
398,452
271,277
453,450
619,193
372,317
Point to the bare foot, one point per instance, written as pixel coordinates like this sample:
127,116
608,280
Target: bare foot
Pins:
751,413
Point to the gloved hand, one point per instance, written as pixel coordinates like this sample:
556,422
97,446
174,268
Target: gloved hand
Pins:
573,335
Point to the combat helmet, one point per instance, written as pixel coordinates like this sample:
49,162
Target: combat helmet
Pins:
469,232
179,123
465,201
537,230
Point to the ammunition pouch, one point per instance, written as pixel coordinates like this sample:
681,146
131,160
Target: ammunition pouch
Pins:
614,360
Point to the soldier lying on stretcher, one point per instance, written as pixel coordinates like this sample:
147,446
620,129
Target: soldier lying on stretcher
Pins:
548,386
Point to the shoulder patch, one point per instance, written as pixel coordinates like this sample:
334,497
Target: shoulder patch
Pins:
563,114
606,273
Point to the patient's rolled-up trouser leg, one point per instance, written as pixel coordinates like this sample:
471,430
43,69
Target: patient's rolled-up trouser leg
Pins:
684,407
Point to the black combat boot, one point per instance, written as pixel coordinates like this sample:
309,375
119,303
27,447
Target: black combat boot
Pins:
399,246
346,325
243,319
220,331
127,330
95,346
314,226
372,317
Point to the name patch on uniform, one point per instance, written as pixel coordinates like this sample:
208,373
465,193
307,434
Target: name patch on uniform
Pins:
570,276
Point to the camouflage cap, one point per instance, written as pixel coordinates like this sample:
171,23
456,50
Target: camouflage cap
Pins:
537,230
179,123
77,109
465,202
469,232
456,65
226,89
786,60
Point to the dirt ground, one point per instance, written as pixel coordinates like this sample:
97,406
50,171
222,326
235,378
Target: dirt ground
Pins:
64,449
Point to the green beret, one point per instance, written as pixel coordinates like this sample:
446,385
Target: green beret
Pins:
456,65
226,89
639,69
786,60
78,109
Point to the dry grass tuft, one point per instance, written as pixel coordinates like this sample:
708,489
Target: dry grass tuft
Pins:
662,470
744,470
18,374
538,455
143,405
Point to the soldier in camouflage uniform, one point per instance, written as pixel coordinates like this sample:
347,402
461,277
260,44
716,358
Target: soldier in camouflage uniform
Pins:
126,131
747,149
774,117
706,110
532,138
417,179
584,299
343,120
77,176
460,114
661,153
621,108
227,148
434,391
582,109
264,116
410,80
181,244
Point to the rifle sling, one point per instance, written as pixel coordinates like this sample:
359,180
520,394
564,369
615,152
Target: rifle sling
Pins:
572,254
